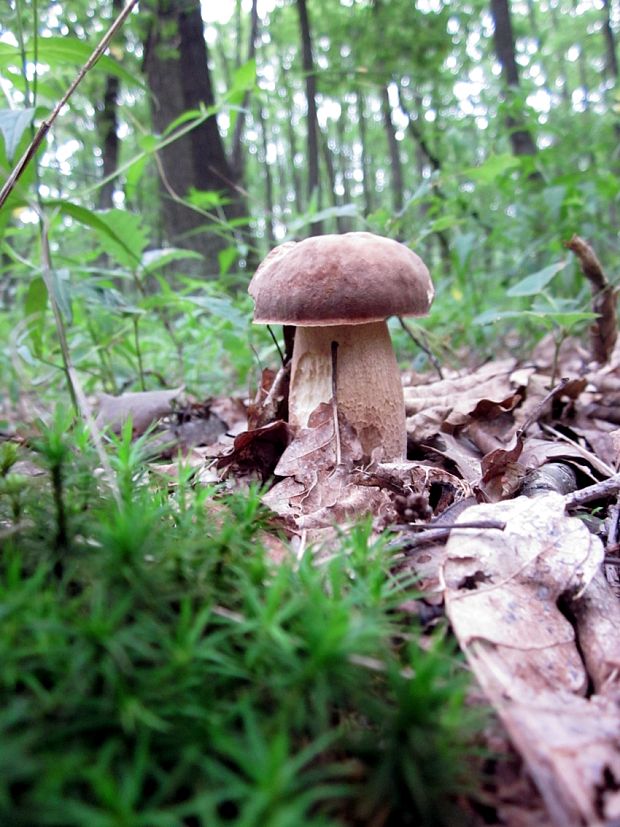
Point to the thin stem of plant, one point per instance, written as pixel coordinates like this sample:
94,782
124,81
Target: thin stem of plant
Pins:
432,358
78,397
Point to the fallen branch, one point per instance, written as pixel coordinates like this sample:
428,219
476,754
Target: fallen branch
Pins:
598,491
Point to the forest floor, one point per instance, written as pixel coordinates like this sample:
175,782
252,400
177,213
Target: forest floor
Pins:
507,512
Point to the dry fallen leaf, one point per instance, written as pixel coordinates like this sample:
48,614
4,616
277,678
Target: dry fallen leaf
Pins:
504,591
448,403
256,453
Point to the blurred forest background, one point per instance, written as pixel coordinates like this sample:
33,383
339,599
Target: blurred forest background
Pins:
483,136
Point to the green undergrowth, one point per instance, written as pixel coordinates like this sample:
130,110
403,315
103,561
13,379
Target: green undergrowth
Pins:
156,668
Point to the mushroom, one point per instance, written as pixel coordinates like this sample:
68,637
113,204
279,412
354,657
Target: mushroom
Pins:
338,290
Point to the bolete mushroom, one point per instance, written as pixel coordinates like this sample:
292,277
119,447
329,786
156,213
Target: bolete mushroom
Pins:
341,289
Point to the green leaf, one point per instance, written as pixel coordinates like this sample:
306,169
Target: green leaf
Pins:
444,223
245,76
134,176
206,199
65,51
221,308
494,167
536,282
243,81
13,124
189,115
154,259
563,318
120,232
226,258
345,211
35,303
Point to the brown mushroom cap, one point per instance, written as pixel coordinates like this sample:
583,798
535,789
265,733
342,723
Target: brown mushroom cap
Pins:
340,279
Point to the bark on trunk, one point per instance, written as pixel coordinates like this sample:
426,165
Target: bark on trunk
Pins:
312,119
503,38
177,72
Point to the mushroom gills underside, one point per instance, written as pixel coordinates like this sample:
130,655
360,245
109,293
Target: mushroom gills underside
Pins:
368,385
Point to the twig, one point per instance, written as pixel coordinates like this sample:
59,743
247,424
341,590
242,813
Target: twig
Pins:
598,491
449,526
604,330
431,533
46,124
433,359
537,412
335,402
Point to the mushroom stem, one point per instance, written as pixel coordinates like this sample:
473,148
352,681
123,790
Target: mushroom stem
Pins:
369,388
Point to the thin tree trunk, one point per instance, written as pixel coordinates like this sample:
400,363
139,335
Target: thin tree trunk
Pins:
343,167
611,58
565,89
269,201
418,136
503,38
331,177
396,170
292,142
312,119
107,126
536,36
367,183
237,146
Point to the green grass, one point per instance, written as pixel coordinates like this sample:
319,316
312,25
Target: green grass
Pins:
157,669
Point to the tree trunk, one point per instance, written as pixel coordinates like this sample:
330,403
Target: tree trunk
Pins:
107,127
611,58
566,91
336,201
269,229
177,72
396,170
342,163
312,119
237,146
292,142
503,38
367,183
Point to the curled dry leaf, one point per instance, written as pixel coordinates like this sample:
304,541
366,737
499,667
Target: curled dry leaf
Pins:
502,590
446,404
144,408
256,453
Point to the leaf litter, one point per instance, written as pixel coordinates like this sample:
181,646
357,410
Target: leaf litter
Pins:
506,511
